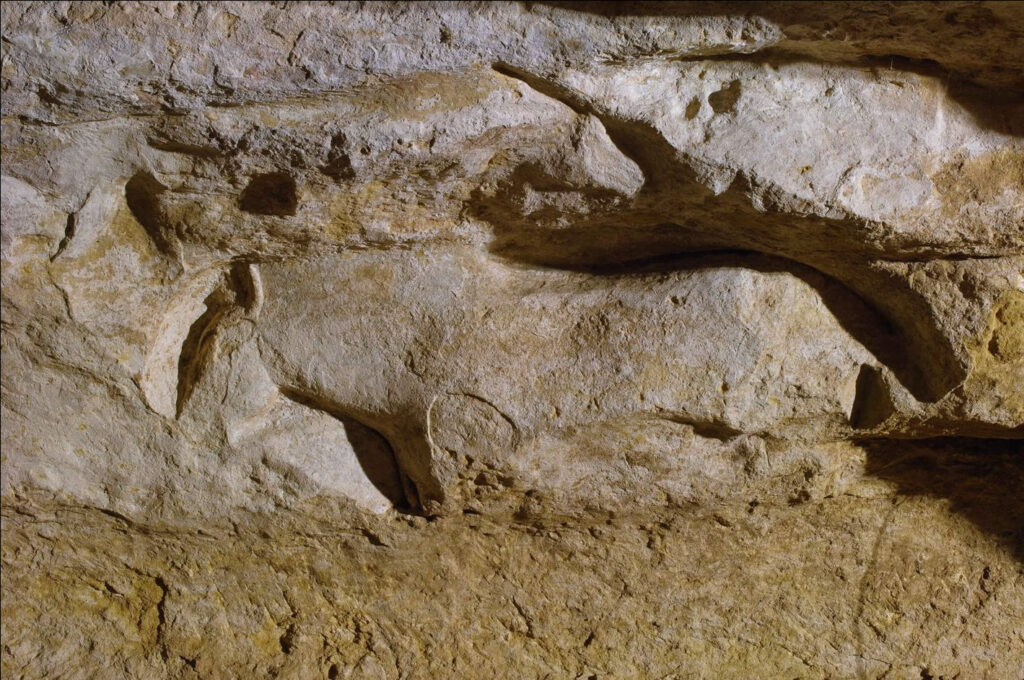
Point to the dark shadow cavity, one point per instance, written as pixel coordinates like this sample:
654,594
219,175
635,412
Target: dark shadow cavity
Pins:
983,479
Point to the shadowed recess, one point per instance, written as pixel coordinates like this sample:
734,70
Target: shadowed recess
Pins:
198,346
873,403
373,451
142,195
273,193
234,292
983,479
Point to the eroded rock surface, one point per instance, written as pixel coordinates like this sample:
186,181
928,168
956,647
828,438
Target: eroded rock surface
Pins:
588,340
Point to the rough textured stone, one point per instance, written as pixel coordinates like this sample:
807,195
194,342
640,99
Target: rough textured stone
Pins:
585,340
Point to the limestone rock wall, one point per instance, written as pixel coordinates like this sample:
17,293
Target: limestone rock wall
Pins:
554,339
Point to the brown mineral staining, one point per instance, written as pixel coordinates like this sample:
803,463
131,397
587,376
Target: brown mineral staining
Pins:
586,340
980,179
1007,343
983,195
998,355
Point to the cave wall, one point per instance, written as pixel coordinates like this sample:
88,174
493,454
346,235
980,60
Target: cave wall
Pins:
539,340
